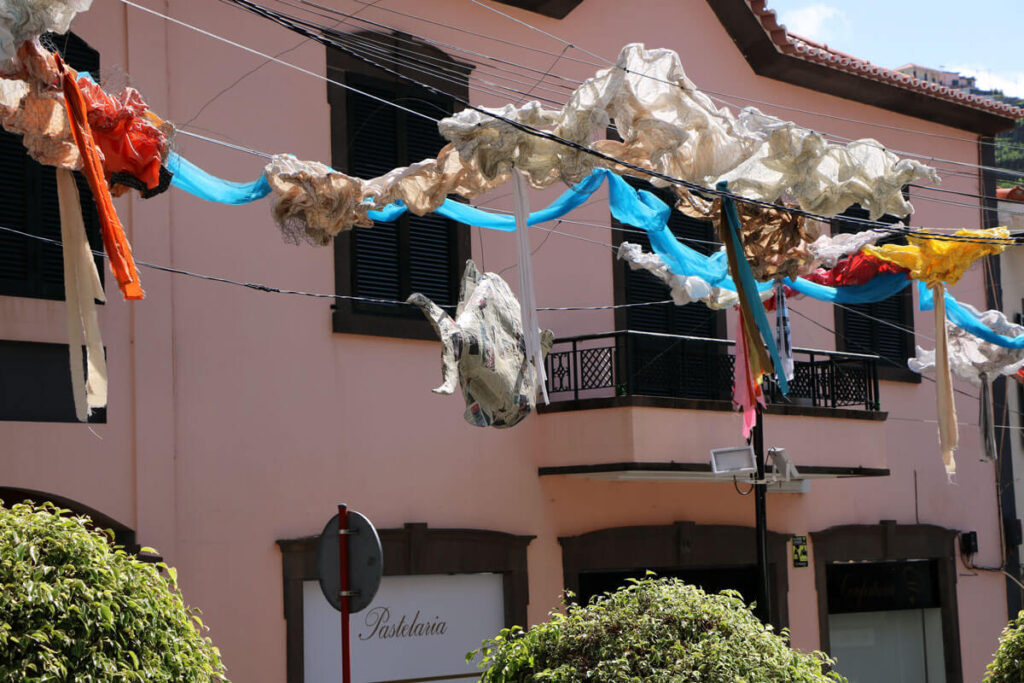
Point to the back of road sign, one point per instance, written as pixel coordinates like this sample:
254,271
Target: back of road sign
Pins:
365,562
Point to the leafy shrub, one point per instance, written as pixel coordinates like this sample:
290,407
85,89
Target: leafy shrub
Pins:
651,631
1008,665
74,608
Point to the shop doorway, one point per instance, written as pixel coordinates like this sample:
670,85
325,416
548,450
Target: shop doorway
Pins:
710,579
712,556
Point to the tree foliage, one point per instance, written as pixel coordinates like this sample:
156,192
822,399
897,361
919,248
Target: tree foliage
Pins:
651,631
1008,665
75,608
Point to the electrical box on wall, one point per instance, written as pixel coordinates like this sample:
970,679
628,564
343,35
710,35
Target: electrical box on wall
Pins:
969,542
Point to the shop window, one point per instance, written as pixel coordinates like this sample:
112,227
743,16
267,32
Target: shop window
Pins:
884,328
887,602
28,203
885,621
713,557
369,138
443,591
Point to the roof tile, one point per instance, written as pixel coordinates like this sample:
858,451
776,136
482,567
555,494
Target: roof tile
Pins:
811,51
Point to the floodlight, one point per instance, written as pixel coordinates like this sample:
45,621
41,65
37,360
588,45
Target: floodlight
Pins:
782,464
736,460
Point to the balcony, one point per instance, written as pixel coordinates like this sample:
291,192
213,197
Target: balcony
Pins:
647,368
632,405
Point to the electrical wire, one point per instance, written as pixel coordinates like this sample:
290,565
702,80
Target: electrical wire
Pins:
320,295
613,65
608,63
297,26
544,134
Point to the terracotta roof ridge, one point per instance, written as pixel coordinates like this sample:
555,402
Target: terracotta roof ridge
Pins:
820,53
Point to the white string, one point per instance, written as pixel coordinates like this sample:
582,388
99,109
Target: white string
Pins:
528,301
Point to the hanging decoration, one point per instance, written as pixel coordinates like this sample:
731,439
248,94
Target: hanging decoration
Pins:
669,126
977,362
935,263
528,308
82,289
484,349
26,20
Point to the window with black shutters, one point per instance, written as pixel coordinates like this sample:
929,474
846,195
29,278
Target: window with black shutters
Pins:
660,366
422,254
28,203
885,328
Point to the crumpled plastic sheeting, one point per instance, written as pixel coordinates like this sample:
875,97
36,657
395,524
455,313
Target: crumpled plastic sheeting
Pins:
40,119
128,138
969,356
859,269
775,242
684,289
936,261
828,249
669,126
22,20
314,203
484,350
30,108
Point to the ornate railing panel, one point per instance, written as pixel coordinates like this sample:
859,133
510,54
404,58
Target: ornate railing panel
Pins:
631,363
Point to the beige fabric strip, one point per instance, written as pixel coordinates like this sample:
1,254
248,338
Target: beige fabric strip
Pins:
949,433
82,288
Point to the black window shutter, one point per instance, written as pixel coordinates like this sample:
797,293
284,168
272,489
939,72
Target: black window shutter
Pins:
662,366
28,202
413,253
875,328
695,319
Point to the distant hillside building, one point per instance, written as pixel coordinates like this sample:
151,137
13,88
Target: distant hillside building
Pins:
949,79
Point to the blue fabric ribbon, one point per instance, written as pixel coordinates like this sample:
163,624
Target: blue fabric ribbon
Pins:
630,206
746,277
194,180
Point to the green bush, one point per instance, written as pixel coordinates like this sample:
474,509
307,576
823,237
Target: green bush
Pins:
651,631
1008,665
74,608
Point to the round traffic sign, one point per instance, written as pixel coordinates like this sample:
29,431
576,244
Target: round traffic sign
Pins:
365,562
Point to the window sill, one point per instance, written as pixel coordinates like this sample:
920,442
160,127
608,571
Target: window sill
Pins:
556,9
894,374
343,322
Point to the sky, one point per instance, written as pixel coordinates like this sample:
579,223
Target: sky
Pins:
980,38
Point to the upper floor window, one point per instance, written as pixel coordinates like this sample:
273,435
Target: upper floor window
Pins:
28,202
369,138
884,328
663,366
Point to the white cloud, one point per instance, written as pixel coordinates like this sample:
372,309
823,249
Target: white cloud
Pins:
821,22
1010,82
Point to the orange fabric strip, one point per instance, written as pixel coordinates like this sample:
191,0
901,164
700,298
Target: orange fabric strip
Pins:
119,251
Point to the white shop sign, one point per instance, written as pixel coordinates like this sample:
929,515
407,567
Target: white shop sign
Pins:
417,627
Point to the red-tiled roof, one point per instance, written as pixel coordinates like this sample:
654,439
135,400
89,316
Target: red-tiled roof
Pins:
811,51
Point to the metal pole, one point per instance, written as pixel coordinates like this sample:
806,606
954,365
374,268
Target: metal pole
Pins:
346,672
764,595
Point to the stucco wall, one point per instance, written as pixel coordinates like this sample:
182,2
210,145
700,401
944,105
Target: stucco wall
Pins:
238,417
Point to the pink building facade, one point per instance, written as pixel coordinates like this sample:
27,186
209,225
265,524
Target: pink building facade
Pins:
238,419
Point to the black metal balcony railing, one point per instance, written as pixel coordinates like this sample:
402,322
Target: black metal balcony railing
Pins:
633,363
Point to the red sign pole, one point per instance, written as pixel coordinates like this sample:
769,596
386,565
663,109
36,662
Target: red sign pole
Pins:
346,672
